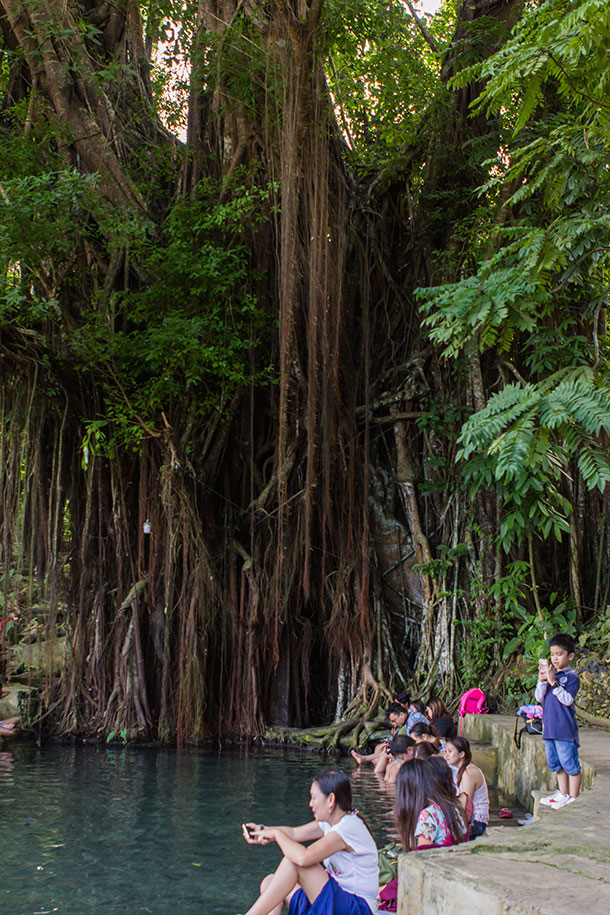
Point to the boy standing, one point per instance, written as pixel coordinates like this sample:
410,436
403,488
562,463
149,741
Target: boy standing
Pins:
556,690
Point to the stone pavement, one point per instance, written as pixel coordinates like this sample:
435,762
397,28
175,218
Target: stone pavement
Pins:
559,864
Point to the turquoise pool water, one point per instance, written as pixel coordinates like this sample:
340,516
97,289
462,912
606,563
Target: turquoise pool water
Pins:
87,829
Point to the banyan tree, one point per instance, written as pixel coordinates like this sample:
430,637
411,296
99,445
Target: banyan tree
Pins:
276,427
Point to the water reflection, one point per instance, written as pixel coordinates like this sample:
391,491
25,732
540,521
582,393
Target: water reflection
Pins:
145,830
7,764
380,796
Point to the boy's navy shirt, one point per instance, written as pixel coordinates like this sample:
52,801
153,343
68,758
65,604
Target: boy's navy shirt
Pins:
558,719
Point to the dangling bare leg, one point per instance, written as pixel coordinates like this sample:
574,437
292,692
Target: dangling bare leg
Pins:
381,763
369,757
9,727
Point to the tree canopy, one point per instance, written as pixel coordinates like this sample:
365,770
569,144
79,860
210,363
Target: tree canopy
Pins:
304,351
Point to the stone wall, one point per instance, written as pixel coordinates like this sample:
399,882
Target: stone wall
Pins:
519,771
558,865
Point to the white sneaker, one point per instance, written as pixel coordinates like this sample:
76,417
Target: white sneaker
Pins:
552,799
566,799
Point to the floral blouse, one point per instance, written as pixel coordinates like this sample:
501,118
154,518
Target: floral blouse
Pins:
432,826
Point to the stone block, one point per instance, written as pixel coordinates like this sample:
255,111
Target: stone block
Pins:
486,758
49,656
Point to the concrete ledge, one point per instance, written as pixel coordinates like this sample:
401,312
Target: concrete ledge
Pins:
557,865
524,770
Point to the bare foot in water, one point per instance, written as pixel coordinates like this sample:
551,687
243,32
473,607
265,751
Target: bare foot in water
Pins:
356,756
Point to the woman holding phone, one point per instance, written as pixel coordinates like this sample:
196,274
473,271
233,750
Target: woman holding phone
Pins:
339,871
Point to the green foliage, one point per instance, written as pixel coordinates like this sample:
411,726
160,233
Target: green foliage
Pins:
509,589
597,637
496,303
562,42
534,630
113,735
43,218
532,638
446,557
486,638
537,299
192,330
381,71
483,637
523,440
478,647
240,62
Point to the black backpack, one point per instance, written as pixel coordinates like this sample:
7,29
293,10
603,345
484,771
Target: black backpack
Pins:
531,715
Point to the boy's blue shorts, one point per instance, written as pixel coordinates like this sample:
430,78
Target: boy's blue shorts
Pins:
562,754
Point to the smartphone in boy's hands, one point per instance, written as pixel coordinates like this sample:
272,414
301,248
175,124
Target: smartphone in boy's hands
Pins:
543,668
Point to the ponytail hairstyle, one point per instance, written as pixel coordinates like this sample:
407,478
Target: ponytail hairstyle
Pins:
462,746
437,708
335,781
421,731
417,705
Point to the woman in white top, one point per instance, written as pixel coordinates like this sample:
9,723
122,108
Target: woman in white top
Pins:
338,872
469,780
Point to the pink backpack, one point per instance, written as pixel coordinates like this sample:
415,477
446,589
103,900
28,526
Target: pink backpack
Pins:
472,703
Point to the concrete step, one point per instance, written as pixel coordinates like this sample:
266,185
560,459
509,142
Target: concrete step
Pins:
558,865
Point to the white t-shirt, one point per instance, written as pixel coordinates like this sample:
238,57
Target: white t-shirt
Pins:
355,871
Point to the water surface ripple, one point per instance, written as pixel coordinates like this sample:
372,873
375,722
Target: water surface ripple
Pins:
140,830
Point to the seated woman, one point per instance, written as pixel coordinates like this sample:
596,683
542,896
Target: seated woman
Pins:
448,784
8,726
470,780
440,717
426,750
338,872
424,733
426,814
401,750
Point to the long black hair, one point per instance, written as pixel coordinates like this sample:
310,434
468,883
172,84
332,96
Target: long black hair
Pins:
421,729
412,790
462,746
438,709
419,783
447,799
